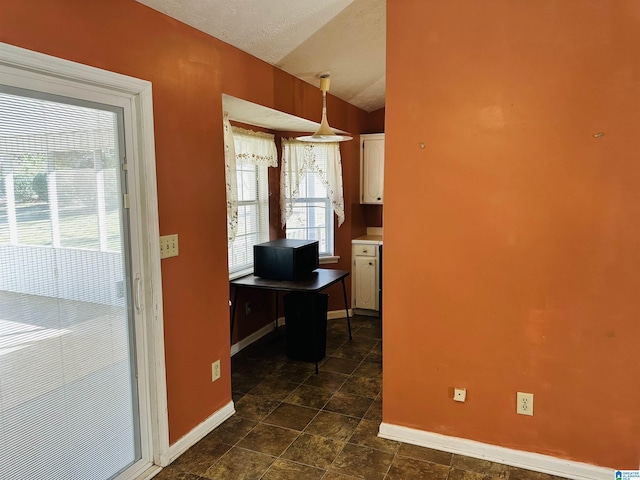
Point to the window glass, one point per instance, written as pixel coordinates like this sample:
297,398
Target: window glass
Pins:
312,217
253,216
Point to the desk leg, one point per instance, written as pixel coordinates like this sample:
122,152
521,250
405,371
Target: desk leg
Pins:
346,306
314,327
233,310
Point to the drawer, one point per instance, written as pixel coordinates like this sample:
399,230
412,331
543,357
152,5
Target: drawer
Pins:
363,250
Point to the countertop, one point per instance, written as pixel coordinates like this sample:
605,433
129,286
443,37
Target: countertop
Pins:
368,239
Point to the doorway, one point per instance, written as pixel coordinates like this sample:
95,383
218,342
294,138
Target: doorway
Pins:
81,363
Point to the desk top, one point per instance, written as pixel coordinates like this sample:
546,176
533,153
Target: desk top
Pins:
317,280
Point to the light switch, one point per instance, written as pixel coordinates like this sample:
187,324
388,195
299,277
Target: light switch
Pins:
169,246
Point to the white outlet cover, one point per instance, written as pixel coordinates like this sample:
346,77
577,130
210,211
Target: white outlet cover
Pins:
215,370
459,394
524,403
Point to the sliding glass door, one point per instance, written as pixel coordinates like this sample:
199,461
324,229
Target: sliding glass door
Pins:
69,404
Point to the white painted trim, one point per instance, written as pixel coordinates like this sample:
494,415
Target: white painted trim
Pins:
64,70
366,313
255,336
270,327
144,473
333,314
64,77
494,453
197,434
328,259
241,273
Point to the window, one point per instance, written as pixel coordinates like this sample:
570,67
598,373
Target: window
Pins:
311,191
59,181
311,213
248,155
253,216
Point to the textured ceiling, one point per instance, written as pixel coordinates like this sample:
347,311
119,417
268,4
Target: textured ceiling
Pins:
302,37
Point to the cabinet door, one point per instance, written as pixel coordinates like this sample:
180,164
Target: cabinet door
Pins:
372,170
366,284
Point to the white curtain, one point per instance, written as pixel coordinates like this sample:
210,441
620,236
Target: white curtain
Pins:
243,147
230,177
255,148
298,158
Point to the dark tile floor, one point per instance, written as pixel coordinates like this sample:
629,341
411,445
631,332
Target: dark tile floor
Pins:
294,424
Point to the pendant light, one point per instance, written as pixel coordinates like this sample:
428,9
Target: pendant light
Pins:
325,133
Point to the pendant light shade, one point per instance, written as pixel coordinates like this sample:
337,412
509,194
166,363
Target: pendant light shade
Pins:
325,133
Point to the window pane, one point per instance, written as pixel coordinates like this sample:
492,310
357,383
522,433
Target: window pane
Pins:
4,212
253,200
26,179
54,189
309,221
312,216
77,203
253,216
112,195
68,400
247,184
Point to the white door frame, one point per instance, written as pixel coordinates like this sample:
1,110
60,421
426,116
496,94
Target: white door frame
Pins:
26,69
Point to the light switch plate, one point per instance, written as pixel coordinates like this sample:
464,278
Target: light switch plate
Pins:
169,246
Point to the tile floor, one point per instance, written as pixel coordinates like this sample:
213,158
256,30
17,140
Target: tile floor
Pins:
294,424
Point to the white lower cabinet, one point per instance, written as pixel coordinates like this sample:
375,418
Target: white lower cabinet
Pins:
365,278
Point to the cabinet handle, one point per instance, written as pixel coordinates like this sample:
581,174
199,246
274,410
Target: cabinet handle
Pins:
370,263
364,250
379,198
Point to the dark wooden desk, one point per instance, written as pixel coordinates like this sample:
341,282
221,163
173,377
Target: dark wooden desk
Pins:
317,281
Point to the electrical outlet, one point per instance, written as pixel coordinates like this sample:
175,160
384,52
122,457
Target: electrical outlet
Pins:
459,394
169,246
215,370
524,403
248,308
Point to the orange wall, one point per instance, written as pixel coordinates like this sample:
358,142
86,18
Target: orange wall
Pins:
189,71
511,239
375,121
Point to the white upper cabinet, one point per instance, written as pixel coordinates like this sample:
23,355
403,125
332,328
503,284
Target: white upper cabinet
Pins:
372,168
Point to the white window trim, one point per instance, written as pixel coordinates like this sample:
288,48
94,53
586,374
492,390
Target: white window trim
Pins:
326,259
330,229
26,69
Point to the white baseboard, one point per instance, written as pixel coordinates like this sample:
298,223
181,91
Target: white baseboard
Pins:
255,336
149,473
332,315
366,313
270,327
197,434
494,453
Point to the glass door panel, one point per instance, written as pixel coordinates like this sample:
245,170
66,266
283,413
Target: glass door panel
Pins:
68,391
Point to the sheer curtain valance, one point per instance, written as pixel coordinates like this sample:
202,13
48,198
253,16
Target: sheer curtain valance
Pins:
255,148
300,157
243,147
